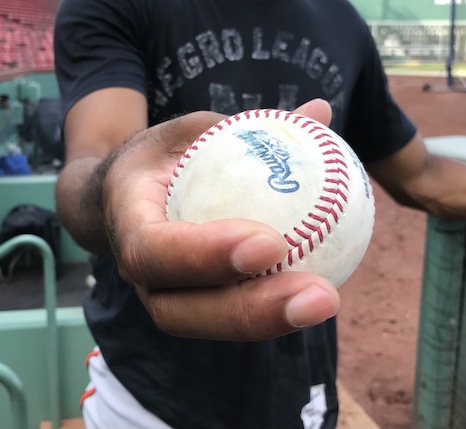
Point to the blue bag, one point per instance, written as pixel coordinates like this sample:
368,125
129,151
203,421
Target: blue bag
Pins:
14,165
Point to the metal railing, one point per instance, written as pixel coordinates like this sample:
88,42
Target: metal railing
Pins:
15,389
12,383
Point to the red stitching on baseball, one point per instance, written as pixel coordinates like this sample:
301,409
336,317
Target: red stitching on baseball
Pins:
332,199
324,135
300,251
337,182
323,208
320,234
300,232
290,241
328,143
316,217
334,213
314,128
333,151
337,192
335,161
307,124
338,171
314,228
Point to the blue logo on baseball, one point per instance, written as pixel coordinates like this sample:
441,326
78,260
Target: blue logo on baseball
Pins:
272,153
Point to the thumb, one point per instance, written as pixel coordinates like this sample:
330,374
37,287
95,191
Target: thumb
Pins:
316,109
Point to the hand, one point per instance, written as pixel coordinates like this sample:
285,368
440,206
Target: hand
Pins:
194,279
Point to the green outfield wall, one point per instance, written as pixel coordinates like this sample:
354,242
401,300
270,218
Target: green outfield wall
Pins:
412,10
416,30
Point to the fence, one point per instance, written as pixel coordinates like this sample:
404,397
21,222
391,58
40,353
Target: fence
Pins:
401,41
440,386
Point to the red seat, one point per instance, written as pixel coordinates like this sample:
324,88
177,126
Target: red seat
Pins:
26,34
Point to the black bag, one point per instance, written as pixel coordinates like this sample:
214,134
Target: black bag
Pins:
30,219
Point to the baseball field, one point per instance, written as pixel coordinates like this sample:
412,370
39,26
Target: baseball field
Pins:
379,317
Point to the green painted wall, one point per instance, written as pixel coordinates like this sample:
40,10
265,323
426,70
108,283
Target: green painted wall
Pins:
23,340
411,10
47,83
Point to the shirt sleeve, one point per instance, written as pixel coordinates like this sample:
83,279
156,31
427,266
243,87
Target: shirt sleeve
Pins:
376,126
97,45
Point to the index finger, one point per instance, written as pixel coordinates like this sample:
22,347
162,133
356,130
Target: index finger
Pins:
154,252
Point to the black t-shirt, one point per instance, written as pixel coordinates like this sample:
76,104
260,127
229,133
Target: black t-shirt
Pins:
225,56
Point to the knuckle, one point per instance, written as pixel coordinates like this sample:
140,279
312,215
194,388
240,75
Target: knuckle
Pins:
163,313
130,260
243,317
157,305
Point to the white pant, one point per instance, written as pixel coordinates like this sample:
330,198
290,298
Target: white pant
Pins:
106,403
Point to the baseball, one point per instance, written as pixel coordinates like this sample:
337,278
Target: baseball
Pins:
287,171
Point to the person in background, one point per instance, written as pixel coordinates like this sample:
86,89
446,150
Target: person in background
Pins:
5,122
4,101
187,337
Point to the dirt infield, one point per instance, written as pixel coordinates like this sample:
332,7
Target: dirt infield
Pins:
380,303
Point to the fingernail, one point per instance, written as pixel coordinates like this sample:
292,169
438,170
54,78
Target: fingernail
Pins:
254,254
309,307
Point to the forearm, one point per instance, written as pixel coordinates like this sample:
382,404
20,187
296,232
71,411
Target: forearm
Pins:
78,201
418,179
441,189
